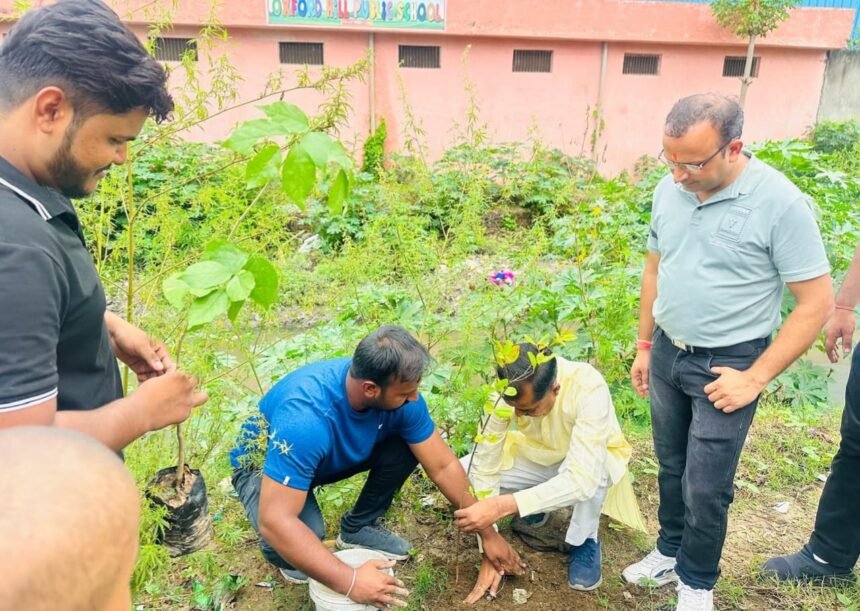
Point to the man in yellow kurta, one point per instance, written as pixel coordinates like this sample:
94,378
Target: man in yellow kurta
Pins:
564,448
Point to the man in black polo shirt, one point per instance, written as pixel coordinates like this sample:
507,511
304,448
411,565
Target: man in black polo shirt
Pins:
75,88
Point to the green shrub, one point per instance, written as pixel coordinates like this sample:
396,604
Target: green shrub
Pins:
833,136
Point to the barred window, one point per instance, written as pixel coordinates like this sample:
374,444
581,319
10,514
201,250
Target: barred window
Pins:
305,53
532,61
734,66
636,63
418,57
173,49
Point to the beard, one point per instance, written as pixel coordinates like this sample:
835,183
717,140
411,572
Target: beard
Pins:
69,177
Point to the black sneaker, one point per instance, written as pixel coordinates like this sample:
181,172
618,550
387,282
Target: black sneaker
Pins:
802,566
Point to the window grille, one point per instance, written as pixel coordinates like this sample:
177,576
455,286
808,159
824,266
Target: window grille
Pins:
305,53
173,49
635,63
532,61
418,57
734,66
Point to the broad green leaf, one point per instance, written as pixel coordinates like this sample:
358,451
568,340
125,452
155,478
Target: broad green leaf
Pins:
286,118
533,361
298,175
233,312
510,391
564,336
337,192
226,254
265,281
544,358
175,290
240,286
483,494
263,168
479,438
202,292
490,408
245,136
324,150
505,412
493,438
507,353
206,309
206,274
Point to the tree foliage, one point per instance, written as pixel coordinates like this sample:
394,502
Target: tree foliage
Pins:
746,18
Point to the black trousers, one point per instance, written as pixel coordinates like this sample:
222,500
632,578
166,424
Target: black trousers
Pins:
390,463
698,448
836,538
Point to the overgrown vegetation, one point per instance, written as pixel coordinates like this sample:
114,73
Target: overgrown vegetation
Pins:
424,238
412,242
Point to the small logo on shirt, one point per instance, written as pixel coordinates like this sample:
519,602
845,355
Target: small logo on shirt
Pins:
733,222
286,480
380,426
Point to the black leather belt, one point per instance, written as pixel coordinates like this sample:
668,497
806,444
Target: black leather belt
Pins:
742,349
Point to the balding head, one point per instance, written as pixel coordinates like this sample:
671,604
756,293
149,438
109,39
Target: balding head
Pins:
69,514
723,113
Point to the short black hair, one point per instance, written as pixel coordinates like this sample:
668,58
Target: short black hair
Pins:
389,354
722,112
521,372
82,47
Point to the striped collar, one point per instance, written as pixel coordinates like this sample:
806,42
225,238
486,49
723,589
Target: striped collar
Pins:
46,202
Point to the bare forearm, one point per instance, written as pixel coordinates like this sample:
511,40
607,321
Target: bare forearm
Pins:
112,321
116,424
796,335
454,485
299,546
646,301
849,294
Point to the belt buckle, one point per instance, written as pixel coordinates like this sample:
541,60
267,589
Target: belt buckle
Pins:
681,345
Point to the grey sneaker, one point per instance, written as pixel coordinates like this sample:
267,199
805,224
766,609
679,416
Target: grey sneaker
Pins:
376,537
294,576
536,520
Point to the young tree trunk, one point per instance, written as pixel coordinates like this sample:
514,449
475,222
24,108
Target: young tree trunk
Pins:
180,467
747,79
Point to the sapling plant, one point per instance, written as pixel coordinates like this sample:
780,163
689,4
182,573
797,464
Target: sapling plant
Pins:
506,353
227,277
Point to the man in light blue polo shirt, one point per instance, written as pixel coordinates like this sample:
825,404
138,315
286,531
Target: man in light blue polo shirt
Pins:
727,232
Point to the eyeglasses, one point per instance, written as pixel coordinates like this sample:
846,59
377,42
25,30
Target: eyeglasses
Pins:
691,168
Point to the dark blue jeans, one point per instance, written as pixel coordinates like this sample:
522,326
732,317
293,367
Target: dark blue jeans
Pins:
390,464
836,538
697,447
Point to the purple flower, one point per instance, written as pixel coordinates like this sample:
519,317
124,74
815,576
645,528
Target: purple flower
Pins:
503,277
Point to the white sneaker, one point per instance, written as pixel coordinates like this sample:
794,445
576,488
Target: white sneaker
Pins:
654,570
690,599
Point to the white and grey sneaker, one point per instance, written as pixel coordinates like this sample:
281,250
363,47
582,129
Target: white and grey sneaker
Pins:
690,599
654,570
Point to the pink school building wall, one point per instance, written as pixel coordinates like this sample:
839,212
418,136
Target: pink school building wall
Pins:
516,106
781,103
555,105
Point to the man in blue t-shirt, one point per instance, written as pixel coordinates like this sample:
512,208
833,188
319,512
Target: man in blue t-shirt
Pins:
326,422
